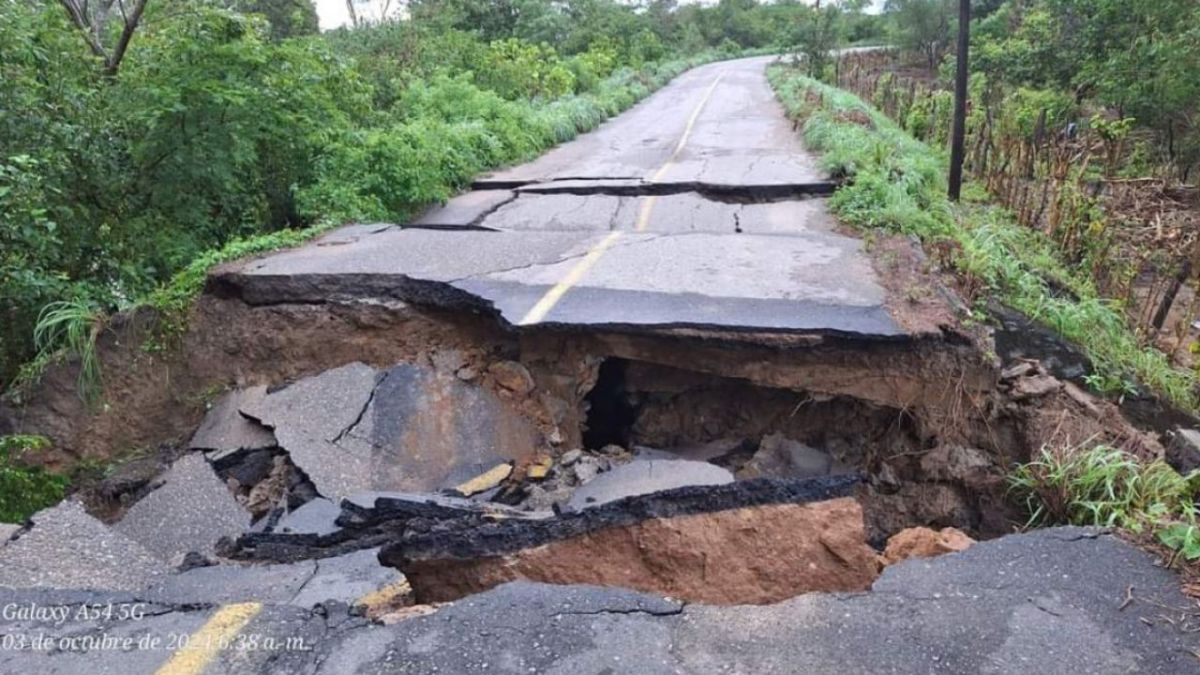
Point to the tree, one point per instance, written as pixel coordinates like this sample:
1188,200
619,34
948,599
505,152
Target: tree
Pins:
923,26
961,77
92,19
288,18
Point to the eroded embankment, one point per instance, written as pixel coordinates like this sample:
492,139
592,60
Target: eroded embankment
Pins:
352,401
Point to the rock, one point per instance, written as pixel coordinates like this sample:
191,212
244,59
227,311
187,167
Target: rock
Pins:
484,481
405,613
1082,398
67,548
271,492
702,452
755,555
1019,370
937,504
646,476
1183,452
409,429
540,468
784,458
190,561
922,542
586,468
1035,387
315,517
570,457
512,376
956,463
191,511
226,430
466,373
127,478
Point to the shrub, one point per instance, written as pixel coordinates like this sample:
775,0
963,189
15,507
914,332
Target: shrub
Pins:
25,490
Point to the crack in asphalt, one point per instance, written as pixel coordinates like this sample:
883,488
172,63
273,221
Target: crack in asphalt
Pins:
626,612
361,413
641,238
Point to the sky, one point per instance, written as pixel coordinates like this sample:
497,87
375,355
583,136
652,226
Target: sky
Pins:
333,12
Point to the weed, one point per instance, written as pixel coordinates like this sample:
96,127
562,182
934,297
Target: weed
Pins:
1103,486
72,326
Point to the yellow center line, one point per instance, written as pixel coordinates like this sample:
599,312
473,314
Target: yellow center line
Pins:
551,298
539,311
687,130
205,644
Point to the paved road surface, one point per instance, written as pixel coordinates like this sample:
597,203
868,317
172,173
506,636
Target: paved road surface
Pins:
699,207
1064,601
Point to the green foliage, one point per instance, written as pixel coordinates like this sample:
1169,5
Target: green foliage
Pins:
924,27
898,184
288,18
517,69
1103,486
24,490
1138,58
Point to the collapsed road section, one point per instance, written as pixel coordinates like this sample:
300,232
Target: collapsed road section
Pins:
650,359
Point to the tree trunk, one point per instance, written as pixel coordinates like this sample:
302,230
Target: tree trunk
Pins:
959,133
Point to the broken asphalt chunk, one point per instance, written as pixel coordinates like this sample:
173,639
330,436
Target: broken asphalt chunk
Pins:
225,430
751,541
191,511
353,429
645,476
68,549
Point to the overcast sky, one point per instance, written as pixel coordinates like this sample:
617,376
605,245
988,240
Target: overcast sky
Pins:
333,12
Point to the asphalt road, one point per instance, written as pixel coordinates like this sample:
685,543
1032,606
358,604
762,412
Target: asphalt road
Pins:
699,207
1061,601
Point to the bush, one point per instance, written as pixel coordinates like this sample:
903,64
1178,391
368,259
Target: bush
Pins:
25,490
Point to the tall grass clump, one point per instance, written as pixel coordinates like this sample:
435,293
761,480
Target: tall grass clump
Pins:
1106,487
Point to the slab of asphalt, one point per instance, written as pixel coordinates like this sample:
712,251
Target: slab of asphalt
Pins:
356,429
66,548
191,511
693,209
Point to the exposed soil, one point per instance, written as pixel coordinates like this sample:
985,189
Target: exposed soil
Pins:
920,431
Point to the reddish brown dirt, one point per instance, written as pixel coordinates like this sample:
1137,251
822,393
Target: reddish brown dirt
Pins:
922,542
753,555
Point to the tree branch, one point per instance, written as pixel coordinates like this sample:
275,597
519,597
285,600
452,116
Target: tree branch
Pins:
82,21
131,24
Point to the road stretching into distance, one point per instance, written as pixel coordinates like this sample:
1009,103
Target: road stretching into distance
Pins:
698,207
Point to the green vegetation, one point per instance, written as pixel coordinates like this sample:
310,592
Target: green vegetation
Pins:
24,490
898,184
225,127
1138,59
1106,487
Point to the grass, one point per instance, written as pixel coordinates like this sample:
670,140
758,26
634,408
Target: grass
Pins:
897,183
1106,487
72,327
